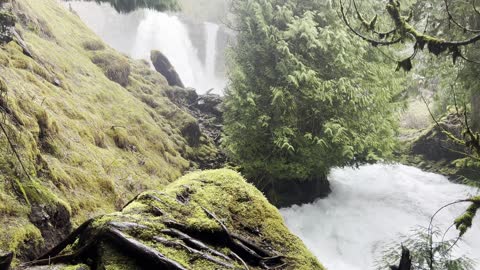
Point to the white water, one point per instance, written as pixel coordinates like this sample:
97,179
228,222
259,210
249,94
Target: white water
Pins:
138,33
371,206
211,32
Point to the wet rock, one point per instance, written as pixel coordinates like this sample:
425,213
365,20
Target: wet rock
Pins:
5,260
192,133
435,152
184,97
285,193
207,130
53,221
6,23
210,104
164,67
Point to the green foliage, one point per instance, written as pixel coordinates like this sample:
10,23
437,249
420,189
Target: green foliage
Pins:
305,96
425,254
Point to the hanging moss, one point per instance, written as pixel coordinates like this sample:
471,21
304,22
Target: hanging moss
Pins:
465,221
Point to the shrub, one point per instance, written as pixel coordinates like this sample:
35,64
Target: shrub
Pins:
116,68
93,45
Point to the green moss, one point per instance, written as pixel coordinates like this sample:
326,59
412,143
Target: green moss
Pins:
465,221
63,134
115,67
94,45
239,205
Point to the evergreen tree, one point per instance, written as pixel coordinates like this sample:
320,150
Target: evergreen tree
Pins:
304,95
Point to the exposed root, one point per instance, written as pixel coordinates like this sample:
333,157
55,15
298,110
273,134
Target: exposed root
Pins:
194,243
238,258
201,244
148,256
192,251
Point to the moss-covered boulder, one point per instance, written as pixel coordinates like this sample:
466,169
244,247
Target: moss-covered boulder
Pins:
436,150
205,220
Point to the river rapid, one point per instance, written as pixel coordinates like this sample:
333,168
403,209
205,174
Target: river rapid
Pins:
372,206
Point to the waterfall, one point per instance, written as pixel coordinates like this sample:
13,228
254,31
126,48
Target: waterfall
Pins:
167,34
211,31
371,206
138,33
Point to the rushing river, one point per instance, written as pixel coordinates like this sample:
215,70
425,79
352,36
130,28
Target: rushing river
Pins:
373,205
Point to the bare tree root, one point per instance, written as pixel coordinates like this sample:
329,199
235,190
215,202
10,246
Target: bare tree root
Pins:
193,251
146,254
68,241
205,245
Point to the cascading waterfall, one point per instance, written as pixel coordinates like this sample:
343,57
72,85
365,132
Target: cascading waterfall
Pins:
138,33
211,31
167,34
371,206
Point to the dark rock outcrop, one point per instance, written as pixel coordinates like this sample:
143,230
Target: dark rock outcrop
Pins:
53,221
207,109
163,65
285,193
210,104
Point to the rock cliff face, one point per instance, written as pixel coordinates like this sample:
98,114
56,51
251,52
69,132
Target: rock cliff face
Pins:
205,220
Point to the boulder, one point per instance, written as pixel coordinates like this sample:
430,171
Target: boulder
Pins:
182,96
164,67
191,131
285,193
435,145
210,104
205,220
434,151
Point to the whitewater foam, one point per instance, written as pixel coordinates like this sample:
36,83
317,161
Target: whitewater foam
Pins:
370,206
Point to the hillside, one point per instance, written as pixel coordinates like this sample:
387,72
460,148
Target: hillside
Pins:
91,127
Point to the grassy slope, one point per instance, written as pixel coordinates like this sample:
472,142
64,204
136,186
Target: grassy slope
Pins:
64,135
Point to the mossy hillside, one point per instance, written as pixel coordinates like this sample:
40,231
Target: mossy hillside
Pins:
237,204
88,144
